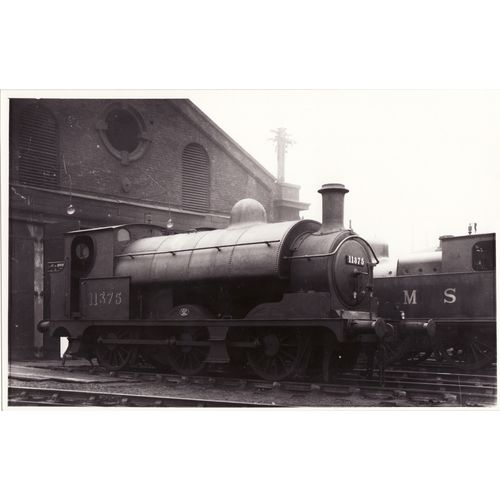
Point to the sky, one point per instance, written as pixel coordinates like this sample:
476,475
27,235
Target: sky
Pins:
418,164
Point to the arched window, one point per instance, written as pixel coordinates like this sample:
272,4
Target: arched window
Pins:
195,178
38,148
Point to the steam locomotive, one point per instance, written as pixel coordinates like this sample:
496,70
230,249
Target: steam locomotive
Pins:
265,295
455,285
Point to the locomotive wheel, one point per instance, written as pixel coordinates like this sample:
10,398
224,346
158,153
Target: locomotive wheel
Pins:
417,357
391,350
422,349
156,355
278,354
389,353
404,351
474,353
115,356
188,359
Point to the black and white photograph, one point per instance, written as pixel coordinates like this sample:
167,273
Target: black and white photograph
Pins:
248,249
165,253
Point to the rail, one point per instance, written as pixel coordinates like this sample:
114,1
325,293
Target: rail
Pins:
38,396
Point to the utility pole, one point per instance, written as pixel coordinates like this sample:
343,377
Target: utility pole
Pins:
282,140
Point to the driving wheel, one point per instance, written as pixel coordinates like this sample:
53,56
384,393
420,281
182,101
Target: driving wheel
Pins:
115,356
277,354
189,350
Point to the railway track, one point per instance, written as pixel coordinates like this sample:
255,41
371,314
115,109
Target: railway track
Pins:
432,386
36,396
417,387
439,365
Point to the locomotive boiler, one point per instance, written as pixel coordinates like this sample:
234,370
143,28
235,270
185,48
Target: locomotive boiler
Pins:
263,295
455,285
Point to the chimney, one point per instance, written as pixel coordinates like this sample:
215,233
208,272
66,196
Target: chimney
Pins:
333,207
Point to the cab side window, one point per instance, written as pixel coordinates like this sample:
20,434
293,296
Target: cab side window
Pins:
483,256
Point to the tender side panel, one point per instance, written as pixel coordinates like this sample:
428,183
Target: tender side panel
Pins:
452,296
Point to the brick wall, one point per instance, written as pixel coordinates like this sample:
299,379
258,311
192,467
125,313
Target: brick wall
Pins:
94,169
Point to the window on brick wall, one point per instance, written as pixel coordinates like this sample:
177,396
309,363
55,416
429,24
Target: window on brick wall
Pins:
38,148
123,132
195,178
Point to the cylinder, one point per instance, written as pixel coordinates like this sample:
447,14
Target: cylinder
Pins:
333,207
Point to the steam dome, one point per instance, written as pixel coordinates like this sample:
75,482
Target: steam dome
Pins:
248,211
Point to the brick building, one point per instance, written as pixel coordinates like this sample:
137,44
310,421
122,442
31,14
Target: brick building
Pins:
78,163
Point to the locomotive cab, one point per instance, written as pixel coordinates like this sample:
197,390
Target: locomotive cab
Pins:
83,285
470,253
